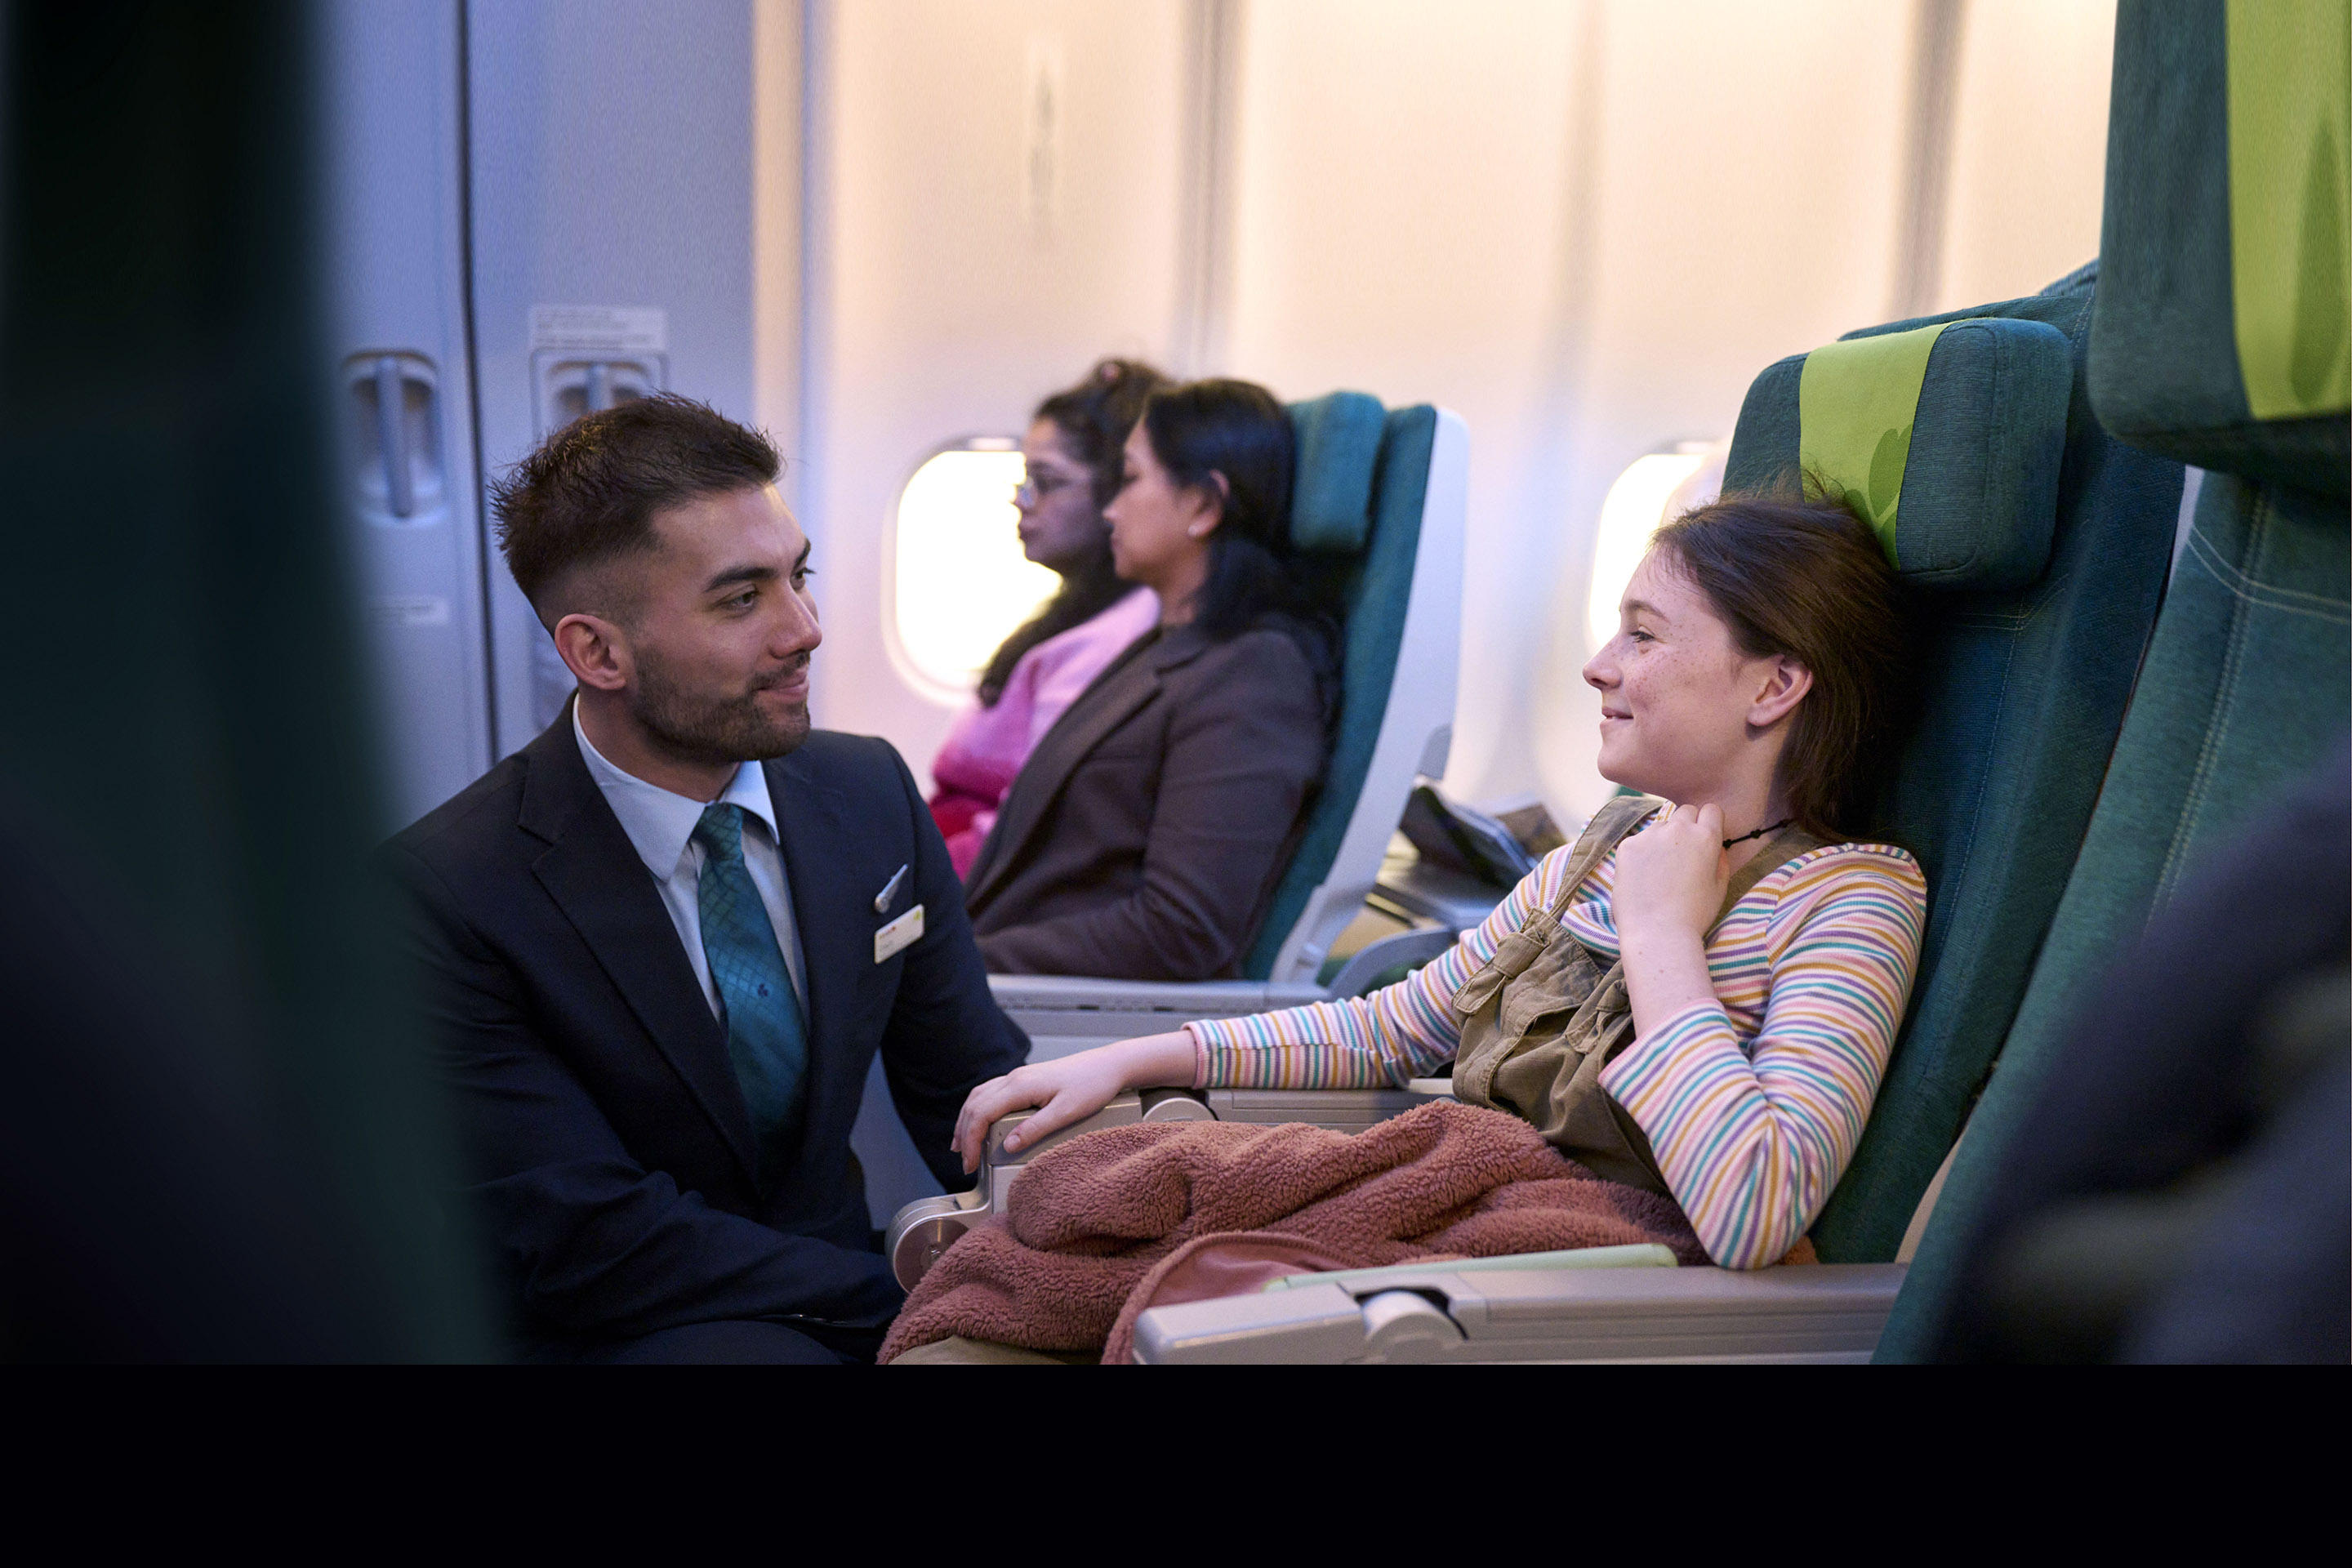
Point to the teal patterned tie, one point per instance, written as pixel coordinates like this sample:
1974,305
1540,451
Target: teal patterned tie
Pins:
766,1037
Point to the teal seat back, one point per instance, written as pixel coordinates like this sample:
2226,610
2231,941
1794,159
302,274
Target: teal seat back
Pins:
2247,681
2036,547
1363,476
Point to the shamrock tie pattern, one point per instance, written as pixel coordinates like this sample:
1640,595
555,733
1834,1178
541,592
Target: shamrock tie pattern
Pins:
767,1040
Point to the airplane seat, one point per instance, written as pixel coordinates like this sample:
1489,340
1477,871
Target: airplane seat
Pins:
1381,496
1364,493
2220,338
2036,546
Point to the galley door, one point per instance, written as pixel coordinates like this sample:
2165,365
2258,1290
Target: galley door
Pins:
410,488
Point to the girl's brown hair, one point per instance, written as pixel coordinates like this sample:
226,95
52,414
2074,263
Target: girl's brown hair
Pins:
1807,579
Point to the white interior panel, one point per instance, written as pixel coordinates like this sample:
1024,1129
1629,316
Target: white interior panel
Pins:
612,166
2029,147
945,299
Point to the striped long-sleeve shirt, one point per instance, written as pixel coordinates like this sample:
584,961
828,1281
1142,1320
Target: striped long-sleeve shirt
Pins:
1753,1103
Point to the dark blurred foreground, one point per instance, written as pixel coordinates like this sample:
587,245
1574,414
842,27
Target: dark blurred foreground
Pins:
2182,1191
216,1137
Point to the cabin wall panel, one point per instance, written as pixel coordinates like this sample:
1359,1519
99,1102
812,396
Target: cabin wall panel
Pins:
1398,230
611,156
1748,207
2029,147
939,309
1584,227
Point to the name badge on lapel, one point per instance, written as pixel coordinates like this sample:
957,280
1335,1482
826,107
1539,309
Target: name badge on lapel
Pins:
899,933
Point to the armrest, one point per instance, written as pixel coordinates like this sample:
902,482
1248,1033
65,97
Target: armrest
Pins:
1454,901
1065,1014
1819,1313
1405,949
926,1227
1362,1283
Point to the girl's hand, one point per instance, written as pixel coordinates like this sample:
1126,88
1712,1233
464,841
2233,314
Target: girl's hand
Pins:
1069,1088
1671,876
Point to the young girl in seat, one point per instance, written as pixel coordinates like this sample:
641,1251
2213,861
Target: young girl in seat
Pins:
1754,684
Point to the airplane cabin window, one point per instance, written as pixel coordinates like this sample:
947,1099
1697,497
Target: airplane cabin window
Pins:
1637,503
959,581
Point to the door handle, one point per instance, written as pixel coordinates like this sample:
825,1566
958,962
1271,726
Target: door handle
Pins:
396,449
391,432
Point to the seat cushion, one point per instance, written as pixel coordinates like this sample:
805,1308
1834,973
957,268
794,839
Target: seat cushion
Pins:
2224,330
1946,438
1339,452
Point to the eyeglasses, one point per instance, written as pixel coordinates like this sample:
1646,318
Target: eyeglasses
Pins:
1033,490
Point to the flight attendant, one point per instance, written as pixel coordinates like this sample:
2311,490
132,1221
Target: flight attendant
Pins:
662,944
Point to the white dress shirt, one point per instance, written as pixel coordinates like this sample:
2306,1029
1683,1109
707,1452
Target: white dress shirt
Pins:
661,825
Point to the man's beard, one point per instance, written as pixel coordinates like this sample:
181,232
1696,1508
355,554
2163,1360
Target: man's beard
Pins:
716,731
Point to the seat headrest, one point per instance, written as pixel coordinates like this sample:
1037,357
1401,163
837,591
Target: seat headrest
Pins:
1339,453
2222,336
1945,438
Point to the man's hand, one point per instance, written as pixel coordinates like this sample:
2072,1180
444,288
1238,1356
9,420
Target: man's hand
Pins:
1671,876
1069,1088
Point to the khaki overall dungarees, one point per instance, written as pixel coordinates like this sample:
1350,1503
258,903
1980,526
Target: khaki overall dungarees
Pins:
1545,1015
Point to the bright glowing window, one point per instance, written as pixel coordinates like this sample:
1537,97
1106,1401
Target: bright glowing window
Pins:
959,581
1652,488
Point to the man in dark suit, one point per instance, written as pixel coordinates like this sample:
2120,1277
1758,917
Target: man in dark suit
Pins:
663,942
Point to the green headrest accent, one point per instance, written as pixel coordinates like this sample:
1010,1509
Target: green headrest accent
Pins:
1857,401
1946,438
1339,451
2290,95
2225,295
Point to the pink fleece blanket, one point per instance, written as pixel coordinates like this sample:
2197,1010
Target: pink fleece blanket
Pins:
1104,1226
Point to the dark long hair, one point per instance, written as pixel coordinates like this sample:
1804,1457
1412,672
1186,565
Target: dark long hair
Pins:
1806,578
1238,429
1094,418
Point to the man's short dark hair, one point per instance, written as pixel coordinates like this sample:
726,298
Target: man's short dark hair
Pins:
588,495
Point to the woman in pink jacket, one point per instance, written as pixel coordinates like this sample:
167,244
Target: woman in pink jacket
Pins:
1073,452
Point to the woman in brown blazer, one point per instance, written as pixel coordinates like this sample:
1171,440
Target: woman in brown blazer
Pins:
1143,838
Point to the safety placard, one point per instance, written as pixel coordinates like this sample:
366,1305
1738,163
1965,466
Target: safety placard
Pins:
601,329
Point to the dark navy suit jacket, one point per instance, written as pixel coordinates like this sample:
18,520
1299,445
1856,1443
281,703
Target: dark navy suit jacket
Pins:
610,1152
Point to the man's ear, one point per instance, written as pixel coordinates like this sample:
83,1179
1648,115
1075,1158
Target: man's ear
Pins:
595,650
1208,500
1784,685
